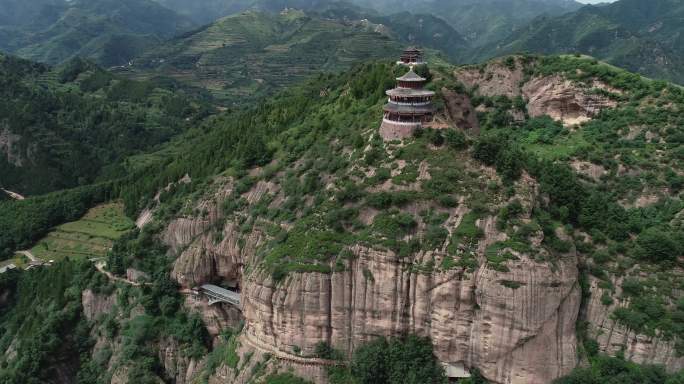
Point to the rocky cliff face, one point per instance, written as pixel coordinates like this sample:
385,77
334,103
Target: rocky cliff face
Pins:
614,337
95,305
9,147
522,335
515,326
564,100
180,368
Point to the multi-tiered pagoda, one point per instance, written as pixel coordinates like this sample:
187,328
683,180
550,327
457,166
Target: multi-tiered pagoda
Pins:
409,107
411,56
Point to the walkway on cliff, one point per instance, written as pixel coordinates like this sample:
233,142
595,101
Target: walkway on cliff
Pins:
301,360
218,294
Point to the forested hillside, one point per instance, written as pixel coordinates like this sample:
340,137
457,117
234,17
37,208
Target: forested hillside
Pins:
106,31
646,36
582,210
66,126
301,188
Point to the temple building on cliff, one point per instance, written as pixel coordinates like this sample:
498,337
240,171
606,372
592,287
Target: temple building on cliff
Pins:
409,107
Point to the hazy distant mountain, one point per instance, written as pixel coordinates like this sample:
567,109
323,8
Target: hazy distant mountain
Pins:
423,29
645,36
479,21
207,11
26,13
109,31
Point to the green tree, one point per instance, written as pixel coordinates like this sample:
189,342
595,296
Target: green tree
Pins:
656,244
407,360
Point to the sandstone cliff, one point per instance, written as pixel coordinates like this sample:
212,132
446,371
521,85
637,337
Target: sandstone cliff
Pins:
614,337
522,332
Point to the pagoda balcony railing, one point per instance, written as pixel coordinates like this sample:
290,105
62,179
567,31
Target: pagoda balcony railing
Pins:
418,104
407,123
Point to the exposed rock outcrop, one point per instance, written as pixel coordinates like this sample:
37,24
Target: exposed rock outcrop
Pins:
9,147
216,317
563,100
460,111
493,79
613,337
522,332
523,335
95,305
179,367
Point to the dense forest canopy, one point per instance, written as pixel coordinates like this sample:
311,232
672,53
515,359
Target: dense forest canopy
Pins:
69,125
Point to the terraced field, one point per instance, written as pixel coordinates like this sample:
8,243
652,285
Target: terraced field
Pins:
91,236
240,57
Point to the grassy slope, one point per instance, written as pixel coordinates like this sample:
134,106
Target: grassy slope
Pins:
329,136
89,237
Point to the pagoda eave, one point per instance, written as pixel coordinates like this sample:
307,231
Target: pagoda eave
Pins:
409,110
409,92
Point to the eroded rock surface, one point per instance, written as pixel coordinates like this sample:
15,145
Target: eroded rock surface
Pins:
563,100
95,305
520,333
9,147
614,337
523,335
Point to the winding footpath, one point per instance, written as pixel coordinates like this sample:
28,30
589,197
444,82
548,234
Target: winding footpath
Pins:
31,256
100,266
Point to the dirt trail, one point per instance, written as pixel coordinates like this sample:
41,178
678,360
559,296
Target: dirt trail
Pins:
31,256
100,265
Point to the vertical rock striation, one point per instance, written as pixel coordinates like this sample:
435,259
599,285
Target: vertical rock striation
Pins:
523,335
613,337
